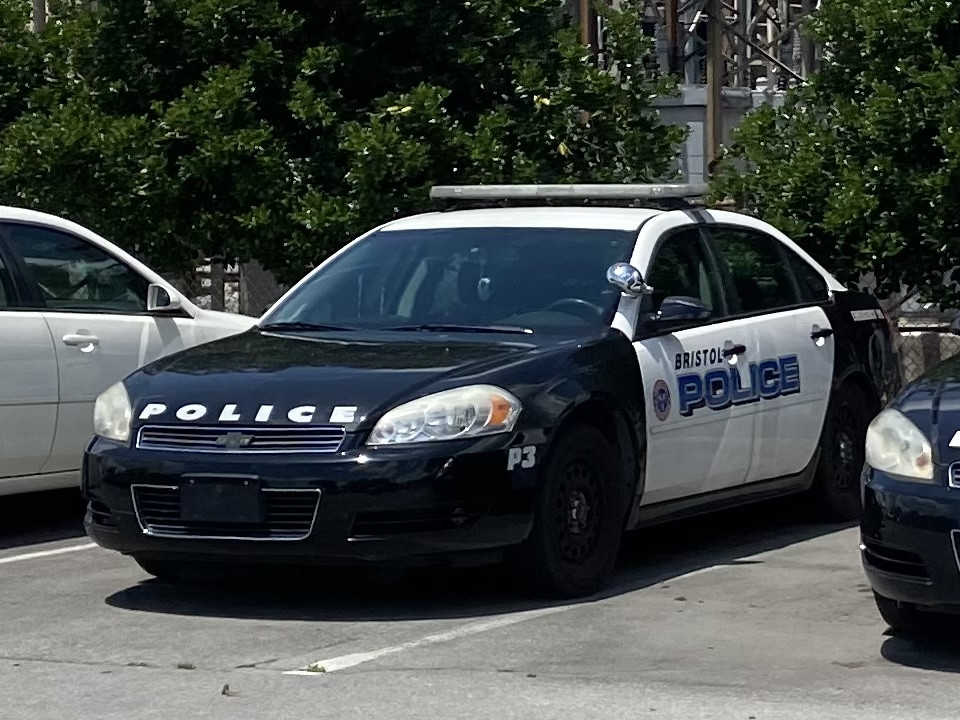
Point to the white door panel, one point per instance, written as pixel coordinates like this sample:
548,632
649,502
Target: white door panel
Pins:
698,440
123,344
789,428
28,393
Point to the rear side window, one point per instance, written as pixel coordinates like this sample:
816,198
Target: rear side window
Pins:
813,288
756,269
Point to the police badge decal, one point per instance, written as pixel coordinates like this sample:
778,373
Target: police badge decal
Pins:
661,400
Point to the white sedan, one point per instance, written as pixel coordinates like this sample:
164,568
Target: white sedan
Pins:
77,314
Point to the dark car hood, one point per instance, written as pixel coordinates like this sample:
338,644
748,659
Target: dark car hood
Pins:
369,373
933,404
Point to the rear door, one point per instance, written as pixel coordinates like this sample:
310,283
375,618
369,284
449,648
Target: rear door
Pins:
28,379
780,298
698,439
95,307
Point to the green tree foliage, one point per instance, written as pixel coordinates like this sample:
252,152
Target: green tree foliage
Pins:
862,166
278,130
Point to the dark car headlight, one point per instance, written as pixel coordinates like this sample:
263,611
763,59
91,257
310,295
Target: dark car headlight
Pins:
896,446
112,414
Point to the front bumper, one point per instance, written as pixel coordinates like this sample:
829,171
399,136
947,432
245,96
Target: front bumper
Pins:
438,503
910,539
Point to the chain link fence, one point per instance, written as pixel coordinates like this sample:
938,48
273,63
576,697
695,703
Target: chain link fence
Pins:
923,343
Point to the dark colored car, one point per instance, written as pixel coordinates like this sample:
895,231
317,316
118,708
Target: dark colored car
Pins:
910,528
510,383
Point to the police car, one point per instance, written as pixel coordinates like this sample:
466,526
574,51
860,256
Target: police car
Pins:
910,528
523,380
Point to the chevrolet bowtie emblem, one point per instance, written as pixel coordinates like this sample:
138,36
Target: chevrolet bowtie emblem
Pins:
234,440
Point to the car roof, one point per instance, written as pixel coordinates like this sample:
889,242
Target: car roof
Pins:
591,218
18,214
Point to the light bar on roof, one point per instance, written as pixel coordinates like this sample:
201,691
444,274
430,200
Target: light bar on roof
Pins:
611,191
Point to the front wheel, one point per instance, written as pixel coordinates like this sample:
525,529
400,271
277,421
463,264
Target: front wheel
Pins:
579,518
836,486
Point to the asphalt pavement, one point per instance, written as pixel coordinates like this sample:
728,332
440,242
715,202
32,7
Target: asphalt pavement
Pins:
754,613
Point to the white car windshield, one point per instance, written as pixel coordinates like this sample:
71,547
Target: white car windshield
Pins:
537,279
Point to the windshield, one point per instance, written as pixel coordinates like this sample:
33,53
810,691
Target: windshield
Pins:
539,279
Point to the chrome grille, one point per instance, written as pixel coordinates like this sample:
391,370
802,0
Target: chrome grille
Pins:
289,515
953,478
313,439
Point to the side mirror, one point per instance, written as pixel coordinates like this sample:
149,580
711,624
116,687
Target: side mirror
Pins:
682,307
159,299
955,325
626,278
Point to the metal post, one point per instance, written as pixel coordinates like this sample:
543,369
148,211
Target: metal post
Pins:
39,15
744,77
808,60
773,48
714,79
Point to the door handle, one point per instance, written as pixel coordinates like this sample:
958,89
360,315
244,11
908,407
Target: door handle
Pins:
79,339
819,332
730,350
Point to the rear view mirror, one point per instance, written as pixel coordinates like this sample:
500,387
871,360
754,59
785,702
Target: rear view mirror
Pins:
159,299
626,278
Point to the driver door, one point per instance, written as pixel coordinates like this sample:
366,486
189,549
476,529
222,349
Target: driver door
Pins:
698,440
95,308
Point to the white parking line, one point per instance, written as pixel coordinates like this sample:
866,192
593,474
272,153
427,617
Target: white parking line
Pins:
343,662
46,553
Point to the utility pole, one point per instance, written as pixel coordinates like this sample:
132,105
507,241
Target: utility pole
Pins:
671,21
39,15
714,78
588,25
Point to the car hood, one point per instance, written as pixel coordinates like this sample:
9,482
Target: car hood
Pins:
933,404
346,378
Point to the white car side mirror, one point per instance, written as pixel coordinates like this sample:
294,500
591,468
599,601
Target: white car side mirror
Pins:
159,299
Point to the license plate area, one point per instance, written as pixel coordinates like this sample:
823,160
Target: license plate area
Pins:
221,499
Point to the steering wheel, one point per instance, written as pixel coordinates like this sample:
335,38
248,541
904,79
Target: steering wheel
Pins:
580,307
69,292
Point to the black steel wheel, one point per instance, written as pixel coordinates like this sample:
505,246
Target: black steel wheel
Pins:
579,518
836,486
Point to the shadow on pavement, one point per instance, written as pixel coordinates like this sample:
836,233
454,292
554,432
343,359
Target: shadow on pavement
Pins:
647,558
937,648
40,517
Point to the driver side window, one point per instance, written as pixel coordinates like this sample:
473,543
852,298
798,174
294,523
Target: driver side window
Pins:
681,271
72,274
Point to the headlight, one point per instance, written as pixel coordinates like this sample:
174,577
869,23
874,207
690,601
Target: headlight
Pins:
112,413
464,412
897,446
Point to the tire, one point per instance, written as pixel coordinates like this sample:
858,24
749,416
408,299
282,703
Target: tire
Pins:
164,570
901,617
569,552
836,485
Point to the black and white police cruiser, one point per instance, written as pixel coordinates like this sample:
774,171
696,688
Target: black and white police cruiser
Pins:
524,380
910,528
